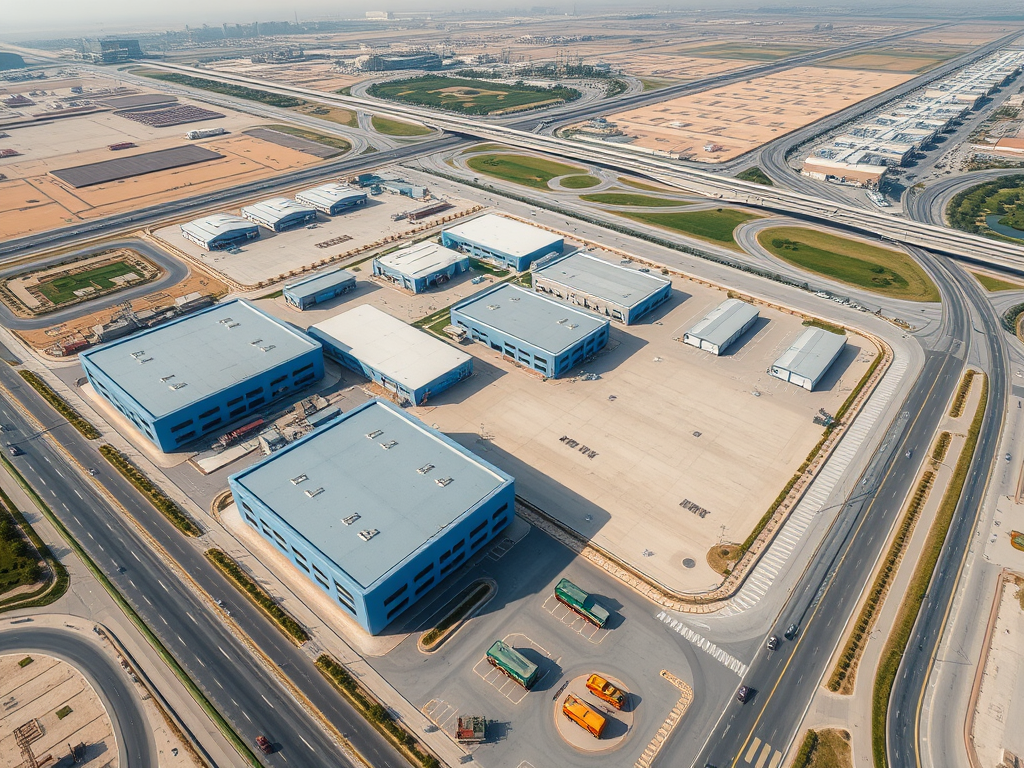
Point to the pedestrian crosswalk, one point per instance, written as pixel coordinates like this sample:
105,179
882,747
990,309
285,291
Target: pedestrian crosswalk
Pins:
704,644
761,755
763,576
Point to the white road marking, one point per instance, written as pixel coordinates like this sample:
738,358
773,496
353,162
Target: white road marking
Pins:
79,495
704,644
267,700
136,556
224,652
164,586
307,744
192,617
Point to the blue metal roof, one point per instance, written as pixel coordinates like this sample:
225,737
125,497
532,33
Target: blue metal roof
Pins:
312,285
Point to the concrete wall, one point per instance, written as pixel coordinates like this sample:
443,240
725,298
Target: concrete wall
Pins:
482,251
615,311
420,284
304,302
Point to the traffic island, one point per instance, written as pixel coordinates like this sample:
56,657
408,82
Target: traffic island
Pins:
618,723
457,612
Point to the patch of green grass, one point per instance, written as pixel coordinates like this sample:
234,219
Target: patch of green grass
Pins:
272,295
346,91
755,175
61,290
227,89
995,284
164,503
18,564
896,645
527,170
715,226
806,751
455,610
247,586
816,323
490,269
470,97
336,142
582,181
63,712
59,404
653,83
333,114
628,198
832,750
879,270
1001,197
960,401
640,185
391,127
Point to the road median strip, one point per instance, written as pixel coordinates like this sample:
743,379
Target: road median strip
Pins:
163,503
957,409
59,404
895,647
456,612
247,586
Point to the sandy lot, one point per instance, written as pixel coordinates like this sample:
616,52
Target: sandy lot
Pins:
969,35
320,75
276,254
35,693
671,67
667,424
897,59
735,119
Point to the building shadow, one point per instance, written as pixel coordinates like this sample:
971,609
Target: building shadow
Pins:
749,335
834,375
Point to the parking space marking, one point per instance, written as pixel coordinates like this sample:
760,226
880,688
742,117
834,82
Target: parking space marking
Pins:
704,644
440,713
500,549
574,621
506,686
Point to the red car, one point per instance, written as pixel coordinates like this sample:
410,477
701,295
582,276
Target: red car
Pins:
264,744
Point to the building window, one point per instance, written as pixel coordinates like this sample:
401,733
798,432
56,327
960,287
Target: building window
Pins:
211,424
445,556
478,542
424,586
280,541
234,401
424,572
181,426
278,380
477,530
237,412
299,555
251,519
459,546
321,579
500,509
257,402
398,607
343,592
209,412
304,379
453,563
306,367
254,392
186,436
498,523
395,595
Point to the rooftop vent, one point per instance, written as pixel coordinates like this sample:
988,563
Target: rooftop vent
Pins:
389,445
145,360
299,479
494,306
317,492
368,534
257,342
351,519
425,468
572,325
165,379
138,354
443,481
267,348
233,325
375,433
563,321
515,298
178,386
225,321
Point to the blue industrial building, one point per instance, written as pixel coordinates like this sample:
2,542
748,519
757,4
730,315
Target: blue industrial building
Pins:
221,230
332,198
318,288
531,329
202,372
612,290
375,509
420,266
404,360
513,244
279,213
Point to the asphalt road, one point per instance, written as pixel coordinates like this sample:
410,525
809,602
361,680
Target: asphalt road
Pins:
174,272
131,729
930,204
241,689
829,589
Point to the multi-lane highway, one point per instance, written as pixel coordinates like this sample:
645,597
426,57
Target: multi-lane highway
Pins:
128,721
239,686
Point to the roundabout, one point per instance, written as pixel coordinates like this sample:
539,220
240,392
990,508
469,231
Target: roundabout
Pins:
617,724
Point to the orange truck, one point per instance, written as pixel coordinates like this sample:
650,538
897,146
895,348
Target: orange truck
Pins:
605,691
583,716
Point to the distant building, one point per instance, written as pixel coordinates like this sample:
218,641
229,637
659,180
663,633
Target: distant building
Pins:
221,230
809,358
420,266
279,213
332,199
318,288
404,360
720,327
380,15
390,62
512,243
199,373
375,508
113,50
531,329
619,292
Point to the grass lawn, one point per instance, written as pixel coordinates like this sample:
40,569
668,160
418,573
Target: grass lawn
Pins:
832,751
653,84
640,184
529,171
61,290
995,284
468,96
715,226
579,182
336,142
879,270
18,566
334,114
397,127
755,175
627,198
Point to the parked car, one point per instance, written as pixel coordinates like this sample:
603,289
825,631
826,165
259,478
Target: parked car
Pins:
264,744
744,693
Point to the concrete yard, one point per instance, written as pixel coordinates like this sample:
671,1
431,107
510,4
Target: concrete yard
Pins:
57,705
277,255
615,458
723,123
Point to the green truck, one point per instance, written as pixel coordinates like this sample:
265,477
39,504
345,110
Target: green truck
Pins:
512,664
582,603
